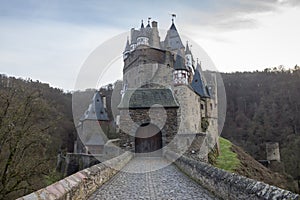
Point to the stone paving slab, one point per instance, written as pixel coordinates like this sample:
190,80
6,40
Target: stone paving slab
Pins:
165,183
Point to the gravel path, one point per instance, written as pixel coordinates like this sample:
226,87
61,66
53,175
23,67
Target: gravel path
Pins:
165,183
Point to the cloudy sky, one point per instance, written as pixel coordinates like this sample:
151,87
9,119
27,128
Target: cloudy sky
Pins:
50,40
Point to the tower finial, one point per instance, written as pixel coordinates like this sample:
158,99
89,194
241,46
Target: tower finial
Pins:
173,17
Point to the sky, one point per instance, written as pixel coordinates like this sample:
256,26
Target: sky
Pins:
50,40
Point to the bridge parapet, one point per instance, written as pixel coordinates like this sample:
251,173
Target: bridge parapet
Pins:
83,183
227,185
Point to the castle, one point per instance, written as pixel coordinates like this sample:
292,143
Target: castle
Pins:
166,100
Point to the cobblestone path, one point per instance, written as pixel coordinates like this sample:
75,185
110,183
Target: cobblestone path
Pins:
165,183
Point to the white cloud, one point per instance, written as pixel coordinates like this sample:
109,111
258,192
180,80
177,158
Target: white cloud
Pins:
237,34
49,51
275,42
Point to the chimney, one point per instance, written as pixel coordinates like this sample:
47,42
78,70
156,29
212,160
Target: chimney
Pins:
154,24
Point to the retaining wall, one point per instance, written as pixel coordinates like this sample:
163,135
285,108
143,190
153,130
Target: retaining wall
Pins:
83,183
228,185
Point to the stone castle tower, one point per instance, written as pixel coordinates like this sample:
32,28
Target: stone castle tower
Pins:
166,100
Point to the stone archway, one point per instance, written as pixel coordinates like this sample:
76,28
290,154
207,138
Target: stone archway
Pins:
148,138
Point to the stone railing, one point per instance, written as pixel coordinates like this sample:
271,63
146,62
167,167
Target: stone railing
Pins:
227,185
83,183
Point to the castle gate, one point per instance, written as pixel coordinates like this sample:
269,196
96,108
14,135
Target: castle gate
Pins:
148,138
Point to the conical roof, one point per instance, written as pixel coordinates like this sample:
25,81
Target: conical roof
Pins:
198,83
179,62
127,47
187,49
96,110
142,25
173,40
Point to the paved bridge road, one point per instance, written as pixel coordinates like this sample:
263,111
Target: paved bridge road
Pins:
165,183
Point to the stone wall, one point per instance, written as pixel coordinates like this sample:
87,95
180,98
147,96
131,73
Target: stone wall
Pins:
228,185
131,120
272,151
82,184
189,112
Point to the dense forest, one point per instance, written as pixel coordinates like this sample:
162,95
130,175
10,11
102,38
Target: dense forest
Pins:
35,124
264,107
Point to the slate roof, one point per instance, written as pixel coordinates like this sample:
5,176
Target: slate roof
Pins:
96,110
127,47
147,97
179,62
198,83
187,49
173,40
142,25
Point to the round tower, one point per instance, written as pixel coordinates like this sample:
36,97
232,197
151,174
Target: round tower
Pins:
181,73
127,50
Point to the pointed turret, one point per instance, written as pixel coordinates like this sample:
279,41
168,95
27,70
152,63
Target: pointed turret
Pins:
173,41
148,25
127,49
180,74
198,84
187,49
189,58
142,24
96,110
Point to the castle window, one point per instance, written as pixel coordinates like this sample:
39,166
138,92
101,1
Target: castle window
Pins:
202,107
211,106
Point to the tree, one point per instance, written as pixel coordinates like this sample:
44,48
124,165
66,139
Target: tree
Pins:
25,124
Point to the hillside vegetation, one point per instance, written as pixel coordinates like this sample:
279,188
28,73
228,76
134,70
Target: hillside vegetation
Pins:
227,159
264,107
233,159
35,124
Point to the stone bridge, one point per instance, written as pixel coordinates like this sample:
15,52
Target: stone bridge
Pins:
129,177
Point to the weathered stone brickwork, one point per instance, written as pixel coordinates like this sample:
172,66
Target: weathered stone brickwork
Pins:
81,184
228,185
133,118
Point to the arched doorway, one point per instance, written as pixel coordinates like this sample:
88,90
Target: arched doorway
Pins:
148,138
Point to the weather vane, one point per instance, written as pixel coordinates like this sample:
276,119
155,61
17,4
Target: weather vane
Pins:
173,16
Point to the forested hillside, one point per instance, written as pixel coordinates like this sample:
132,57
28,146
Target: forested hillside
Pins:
35,124
265,107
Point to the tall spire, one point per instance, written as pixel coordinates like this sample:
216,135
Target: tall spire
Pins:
173,40
148,26
127,47
199,84
142,25
187,49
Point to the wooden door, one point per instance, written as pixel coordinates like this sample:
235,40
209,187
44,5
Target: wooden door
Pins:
148,139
